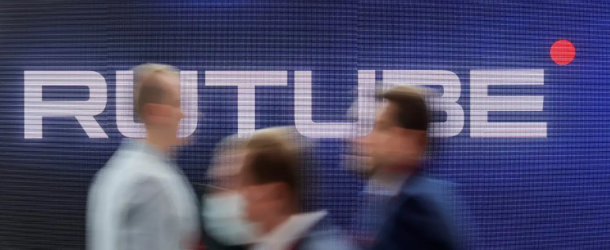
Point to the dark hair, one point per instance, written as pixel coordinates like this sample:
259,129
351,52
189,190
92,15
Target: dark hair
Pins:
270,165
412,111
269,160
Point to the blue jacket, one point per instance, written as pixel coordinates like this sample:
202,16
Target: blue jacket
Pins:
420,217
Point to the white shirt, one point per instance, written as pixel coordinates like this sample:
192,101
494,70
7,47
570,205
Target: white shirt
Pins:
119,214
288,233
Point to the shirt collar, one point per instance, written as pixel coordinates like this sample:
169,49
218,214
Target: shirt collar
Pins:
290,231
142,145
139,144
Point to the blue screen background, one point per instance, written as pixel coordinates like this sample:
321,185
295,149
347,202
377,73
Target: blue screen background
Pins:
523,193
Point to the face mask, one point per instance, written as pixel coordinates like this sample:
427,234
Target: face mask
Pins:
223,216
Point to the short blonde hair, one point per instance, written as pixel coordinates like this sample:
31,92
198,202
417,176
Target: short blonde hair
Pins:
145,89
143,71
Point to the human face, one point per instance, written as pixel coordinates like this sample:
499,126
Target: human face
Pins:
390,147
163,119
356,158
227,169
174,114
264,201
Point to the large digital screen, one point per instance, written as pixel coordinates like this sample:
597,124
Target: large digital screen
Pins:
522,91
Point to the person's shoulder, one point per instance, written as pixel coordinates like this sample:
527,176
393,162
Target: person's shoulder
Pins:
120,164
124,173
328,236
429,193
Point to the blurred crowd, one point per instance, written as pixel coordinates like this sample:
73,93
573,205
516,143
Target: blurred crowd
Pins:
259,187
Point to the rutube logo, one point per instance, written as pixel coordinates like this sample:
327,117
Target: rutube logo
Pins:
481,103
562,52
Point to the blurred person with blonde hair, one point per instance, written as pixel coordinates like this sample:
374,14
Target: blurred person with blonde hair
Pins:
141,200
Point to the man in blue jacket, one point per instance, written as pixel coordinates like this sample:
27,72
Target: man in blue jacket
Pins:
418,214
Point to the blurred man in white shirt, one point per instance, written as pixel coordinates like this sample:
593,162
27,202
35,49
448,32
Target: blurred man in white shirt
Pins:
141,200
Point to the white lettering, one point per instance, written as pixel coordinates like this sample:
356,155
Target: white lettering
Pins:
481,103
246,82
303,108
84,111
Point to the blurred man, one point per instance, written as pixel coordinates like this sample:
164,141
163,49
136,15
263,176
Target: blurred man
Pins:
379,188
273,192
224,223
355,159
141,200
418,213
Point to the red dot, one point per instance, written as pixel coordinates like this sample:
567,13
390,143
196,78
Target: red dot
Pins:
563,52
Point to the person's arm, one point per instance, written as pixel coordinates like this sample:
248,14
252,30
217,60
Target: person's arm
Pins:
146,219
